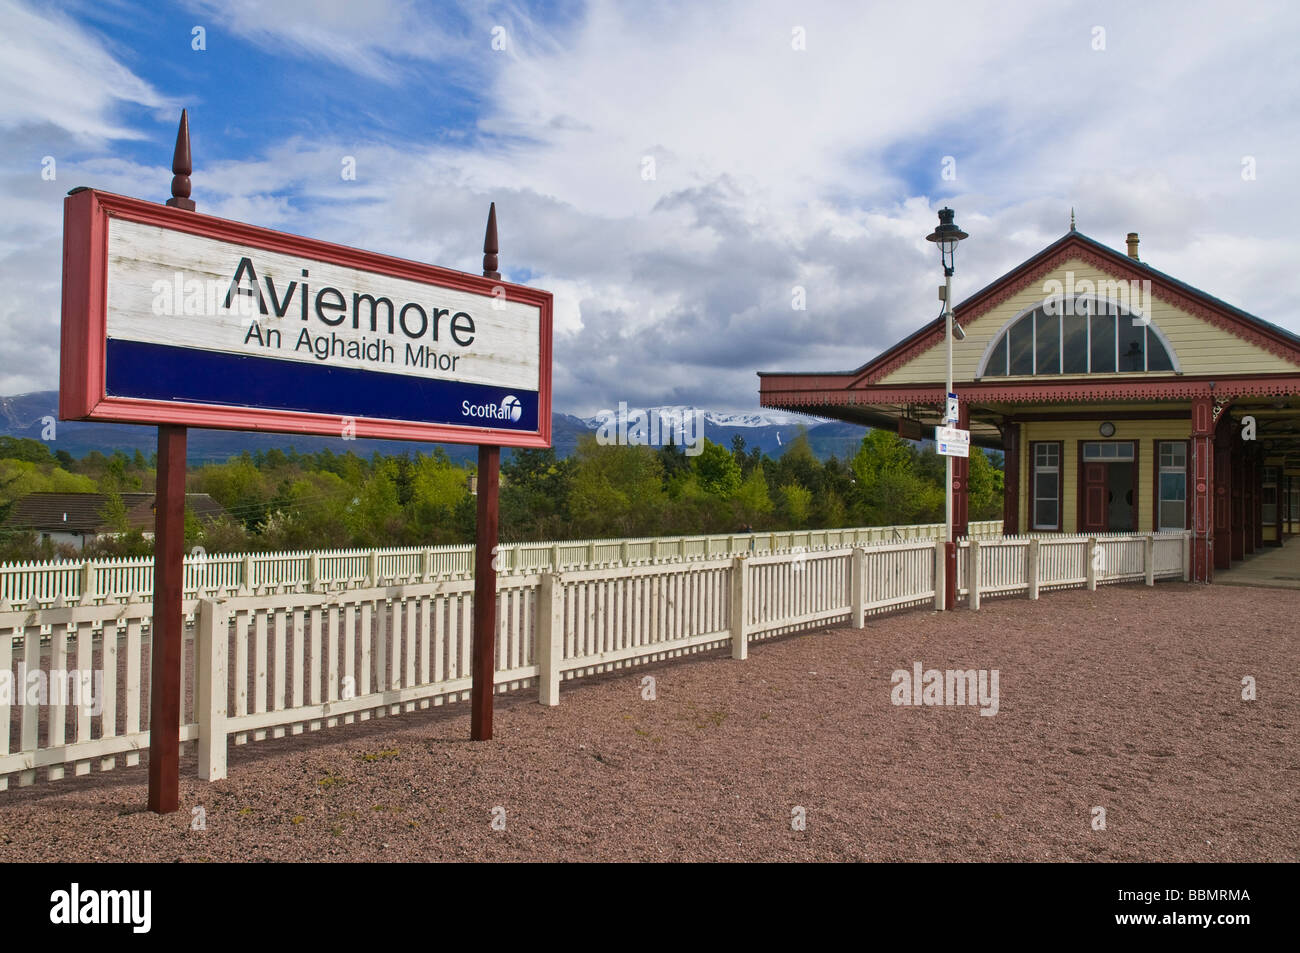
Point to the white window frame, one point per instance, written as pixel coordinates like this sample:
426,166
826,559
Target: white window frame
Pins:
1149,329
1035,469
1161,469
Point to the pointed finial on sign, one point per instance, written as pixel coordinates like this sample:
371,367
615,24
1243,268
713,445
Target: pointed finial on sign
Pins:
182,167
1071,218
490,249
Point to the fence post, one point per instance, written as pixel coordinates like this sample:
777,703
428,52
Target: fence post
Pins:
654,550
858,588
373,567
739,608
973,573
1187,557
1032,569
88,580
940,574
624,553
248,581
1149,558
550,638
1091,572
210,703
313,571
426,565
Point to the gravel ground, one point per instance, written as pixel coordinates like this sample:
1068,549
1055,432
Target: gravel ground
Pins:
1127,698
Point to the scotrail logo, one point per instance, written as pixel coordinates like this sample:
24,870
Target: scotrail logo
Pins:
509,409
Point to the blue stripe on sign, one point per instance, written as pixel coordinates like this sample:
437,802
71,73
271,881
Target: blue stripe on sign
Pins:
162,372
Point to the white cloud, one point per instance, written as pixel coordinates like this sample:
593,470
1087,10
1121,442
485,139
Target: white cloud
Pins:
378,39
58,73
773,166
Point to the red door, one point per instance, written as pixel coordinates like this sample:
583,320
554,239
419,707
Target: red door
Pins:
1094,498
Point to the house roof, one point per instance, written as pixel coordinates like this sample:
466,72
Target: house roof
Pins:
82,513
1073,244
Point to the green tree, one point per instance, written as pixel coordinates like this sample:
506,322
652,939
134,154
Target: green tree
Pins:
889,489
535,488
113,513
616,490
753,497
717,470
985,483
796,502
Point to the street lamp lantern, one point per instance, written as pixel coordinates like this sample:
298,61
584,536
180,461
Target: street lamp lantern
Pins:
946,236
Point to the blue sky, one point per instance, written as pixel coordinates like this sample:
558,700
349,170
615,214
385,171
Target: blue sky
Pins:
793,143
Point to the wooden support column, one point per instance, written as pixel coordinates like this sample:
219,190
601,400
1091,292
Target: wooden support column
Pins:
1010,479
1257,485
961,480
1249,498
1221,495
1201,486
483,662
485,596
168,630
1238,494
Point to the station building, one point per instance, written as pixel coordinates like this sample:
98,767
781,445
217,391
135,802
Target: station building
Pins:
1124,400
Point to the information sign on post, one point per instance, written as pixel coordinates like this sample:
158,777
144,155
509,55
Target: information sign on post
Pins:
951,442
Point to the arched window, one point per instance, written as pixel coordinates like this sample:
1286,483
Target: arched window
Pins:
1086,336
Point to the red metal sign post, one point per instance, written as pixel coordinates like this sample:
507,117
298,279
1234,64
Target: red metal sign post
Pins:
483,678
168,633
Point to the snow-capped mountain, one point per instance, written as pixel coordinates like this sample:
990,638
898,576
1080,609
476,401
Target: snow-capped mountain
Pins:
25,415
760,418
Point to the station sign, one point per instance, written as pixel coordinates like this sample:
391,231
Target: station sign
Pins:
951,442
172,317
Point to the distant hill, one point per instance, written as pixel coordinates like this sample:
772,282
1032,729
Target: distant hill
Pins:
22,415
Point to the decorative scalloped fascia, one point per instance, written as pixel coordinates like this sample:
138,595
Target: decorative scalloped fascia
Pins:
1132,389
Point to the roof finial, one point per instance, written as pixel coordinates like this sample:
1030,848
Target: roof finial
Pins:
1071,218
490,245
182,167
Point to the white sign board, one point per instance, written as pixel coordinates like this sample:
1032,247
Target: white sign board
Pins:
188,291
180,318
952,442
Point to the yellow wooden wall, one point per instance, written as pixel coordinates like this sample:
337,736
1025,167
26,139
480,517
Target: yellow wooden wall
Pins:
1201,347
1073,432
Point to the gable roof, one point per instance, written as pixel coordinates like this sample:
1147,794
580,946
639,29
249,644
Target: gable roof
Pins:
82,513
1075,245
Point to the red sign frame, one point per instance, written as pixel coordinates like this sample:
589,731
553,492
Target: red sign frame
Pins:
82,376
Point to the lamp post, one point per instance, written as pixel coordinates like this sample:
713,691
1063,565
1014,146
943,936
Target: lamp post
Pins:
946,236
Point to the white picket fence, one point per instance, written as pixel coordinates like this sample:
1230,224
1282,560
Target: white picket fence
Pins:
88,582
289,662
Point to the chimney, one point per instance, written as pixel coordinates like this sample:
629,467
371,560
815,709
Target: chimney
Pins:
1133,245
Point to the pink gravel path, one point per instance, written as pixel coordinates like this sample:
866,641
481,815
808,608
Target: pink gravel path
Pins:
1128,698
